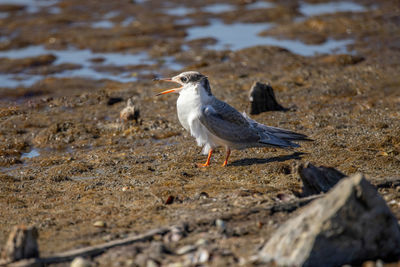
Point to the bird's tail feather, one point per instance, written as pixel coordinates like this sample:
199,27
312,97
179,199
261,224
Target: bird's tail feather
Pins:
275,136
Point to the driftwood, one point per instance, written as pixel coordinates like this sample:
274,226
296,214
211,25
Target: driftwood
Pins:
318,180
262,98
348,225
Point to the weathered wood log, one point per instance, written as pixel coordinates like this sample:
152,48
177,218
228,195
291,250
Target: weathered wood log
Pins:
21,244
318,180
348,225
262,98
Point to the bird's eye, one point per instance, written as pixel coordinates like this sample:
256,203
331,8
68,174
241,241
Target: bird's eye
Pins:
184,79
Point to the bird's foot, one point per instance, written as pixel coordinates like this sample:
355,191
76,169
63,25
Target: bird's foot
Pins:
225,163
200,165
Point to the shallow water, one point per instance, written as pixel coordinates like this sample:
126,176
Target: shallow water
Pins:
259,5
218,8
31,6
81,57
31,154
242,35
331,7
179,11
105,24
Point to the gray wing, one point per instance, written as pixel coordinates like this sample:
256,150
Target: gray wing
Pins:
227,123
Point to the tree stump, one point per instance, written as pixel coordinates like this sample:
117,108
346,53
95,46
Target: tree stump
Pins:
262,98
21,244
318,180
130,112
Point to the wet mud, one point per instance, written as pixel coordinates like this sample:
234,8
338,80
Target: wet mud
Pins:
67,159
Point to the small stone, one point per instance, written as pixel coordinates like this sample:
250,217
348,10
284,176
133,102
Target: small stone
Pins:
382,153
129,262
80,262
99,224
285,197
202,256
174,235
169,200
185,249
176,264
156,250
202,195
151,263
220,224
202,242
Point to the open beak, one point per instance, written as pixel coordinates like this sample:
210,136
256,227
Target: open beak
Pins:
173,90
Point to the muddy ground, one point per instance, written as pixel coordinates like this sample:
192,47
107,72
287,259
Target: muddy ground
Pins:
90,166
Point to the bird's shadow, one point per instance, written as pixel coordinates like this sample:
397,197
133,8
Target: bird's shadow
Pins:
252,161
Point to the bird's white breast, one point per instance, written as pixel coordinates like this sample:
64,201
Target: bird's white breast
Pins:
189,104
188,107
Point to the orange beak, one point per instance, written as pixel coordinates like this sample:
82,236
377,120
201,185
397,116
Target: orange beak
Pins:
173,90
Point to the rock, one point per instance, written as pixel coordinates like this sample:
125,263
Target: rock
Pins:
151,263
99,224
185,249
202,256
318,179
176,234
21,244
80,262
349,225
130,112
220,225
262,98
202,242
169,200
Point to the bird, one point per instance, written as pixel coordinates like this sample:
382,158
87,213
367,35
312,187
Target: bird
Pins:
214,123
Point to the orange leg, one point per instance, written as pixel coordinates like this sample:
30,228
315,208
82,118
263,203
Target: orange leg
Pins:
208,159
228,153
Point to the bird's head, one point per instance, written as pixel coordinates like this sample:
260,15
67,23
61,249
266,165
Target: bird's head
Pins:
185,80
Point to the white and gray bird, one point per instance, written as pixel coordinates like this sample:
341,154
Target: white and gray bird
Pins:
214,123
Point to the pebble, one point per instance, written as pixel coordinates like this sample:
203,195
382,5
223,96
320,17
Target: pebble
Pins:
176,264
169,200
80,262
220,224
185,249
202,242
99,224
202,256
151,263
175,235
